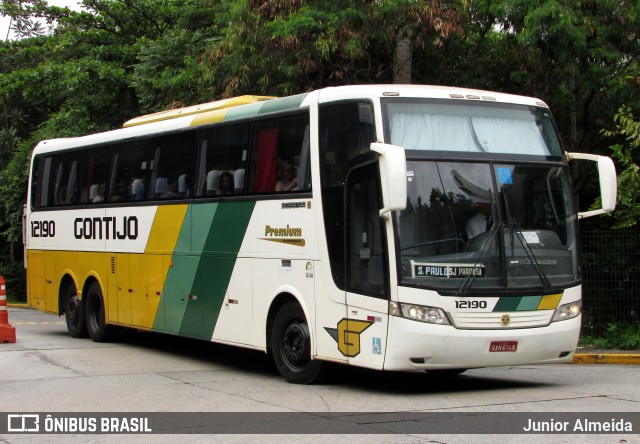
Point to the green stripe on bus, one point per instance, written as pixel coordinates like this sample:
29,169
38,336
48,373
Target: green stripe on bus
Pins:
529,303
283,104
180,284
525,303
243,112
198,279
507,304
269,106
226,236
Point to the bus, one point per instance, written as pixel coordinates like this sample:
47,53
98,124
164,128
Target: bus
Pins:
392,227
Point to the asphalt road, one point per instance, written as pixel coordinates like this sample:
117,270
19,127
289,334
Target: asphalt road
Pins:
48,371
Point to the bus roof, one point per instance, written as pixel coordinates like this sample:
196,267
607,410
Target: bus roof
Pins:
423,91
252,105
195,109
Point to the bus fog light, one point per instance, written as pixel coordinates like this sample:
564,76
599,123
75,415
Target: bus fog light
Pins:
431,315
567,311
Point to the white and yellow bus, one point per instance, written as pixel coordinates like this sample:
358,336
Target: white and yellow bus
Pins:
389,227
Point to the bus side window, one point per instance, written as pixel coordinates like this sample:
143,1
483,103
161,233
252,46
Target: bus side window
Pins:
280,154
265,175
222,157
35,181
130,164
94,174
172,166
63,179
44,184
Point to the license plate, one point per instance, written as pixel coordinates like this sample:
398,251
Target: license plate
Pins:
503,346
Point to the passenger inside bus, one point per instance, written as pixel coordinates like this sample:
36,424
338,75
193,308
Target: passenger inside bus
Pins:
172,188
184,185
96,192
226,185
121,193
288,180
137,189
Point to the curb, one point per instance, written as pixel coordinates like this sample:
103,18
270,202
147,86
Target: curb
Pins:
606,358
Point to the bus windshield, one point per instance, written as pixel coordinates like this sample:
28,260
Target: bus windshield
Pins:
472,127
472,226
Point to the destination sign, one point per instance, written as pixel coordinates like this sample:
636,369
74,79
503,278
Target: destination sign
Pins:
447,271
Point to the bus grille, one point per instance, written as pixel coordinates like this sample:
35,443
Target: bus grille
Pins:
502,320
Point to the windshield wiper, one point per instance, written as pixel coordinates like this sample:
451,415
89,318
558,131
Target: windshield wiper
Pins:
513,226
495,227
481,257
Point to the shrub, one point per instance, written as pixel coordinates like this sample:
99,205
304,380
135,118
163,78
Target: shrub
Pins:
16,281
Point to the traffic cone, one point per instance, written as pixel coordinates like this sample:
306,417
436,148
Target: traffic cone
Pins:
7,331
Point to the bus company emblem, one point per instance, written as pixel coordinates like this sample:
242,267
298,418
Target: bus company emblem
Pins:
505,320
347,335
284,235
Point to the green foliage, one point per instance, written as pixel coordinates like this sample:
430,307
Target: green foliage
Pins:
74,81
626,153
280,47
169,69
616,336
15,281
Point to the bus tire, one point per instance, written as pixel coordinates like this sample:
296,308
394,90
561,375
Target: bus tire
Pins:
291,346
97,326
74,313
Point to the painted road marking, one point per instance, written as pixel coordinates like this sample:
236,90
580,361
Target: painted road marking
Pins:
37,323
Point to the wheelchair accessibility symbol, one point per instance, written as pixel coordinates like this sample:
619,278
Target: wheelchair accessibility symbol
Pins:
377,346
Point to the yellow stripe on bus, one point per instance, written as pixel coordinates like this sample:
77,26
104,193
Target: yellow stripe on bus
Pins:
195,109
166,229
209,117
550,302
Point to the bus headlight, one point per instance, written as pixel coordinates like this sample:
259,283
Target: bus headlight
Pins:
431,315
567,311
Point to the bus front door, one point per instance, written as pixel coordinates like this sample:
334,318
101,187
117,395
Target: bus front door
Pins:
367,269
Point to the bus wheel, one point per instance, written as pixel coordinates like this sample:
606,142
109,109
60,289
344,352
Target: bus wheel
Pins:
291,346
74,313
97,326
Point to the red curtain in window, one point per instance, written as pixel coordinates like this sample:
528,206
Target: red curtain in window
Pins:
266,175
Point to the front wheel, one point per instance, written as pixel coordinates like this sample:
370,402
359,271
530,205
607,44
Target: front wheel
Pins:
97,326
291,346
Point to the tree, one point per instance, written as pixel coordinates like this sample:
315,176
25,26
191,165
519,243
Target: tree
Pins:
627,154
282,47
71,80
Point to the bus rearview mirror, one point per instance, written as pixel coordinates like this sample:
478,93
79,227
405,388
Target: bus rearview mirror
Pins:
393,175
608,182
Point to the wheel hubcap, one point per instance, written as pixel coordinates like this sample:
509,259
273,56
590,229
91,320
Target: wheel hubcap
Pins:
294,344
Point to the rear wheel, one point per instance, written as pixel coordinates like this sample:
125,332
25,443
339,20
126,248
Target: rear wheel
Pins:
97,326
291,346
74,313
